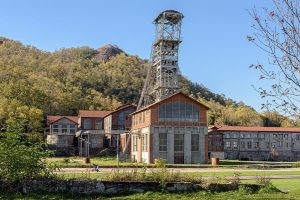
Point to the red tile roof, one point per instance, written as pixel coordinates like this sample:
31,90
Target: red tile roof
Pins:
51,119
124,106
121,108
257,129
93,113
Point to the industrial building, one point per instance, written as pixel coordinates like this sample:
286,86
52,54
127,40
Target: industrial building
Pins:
173,129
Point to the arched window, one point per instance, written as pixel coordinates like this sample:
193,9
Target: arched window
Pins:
178,111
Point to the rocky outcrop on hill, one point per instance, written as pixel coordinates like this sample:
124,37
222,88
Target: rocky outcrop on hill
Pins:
106,52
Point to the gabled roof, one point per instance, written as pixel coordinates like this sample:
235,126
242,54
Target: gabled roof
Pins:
51,119
125,106
121,108
257,129
93,113
177,93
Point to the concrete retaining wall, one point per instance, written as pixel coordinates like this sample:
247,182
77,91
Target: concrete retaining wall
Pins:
107,187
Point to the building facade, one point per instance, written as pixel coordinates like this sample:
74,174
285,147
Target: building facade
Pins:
61,134
91,135
173,129
72,135
215,143
116,123
260,143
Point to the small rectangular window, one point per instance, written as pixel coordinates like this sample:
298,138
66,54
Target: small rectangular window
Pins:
72,129
87,124
227,144
242,144
249,145
163,138
145,143
140,118
64,128
134,143
98,124
55,128
178,142
195,142
235,144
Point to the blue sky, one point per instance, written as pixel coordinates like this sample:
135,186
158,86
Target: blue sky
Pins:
214,51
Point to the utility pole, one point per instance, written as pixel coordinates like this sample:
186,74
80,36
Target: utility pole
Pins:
118,149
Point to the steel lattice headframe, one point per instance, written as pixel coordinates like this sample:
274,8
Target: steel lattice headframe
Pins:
163,70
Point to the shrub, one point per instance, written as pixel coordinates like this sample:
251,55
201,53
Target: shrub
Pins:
21,159
162,176
269,188
160,163
244,189
67,160
263,180
297,164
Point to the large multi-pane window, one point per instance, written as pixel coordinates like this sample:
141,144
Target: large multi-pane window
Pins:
195,142
122,117
178,111
163,138
178,142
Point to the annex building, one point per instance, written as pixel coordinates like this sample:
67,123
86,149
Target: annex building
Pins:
254,143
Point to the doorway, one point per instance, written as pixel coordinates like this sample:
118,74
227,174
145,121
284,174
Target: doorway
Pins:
179,148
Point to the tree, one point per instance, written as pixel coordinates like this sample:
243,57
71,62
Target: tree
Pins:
20,159
277,33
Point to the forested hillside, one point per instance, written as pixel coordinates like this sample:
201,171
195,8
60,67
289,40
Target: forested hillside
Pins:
35,83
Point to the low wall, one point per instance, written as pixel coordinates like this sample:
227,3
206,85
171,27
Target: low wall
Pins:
108,187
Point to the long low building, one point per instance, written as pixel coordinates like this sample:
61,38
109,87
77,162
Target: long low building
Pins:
254,143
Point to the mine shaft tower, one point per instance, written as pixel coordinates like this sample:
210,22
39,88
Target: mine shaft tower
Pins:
163,71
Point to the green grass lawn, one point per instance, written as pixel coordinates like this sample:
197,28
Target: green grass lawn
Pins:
291,185
78,162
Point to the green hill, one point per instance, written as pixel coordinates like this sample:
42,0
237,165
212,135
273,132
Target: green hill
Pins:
35,83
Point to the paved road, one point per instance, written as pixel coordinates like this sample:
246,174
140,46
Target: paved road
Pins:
110,170
105,170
